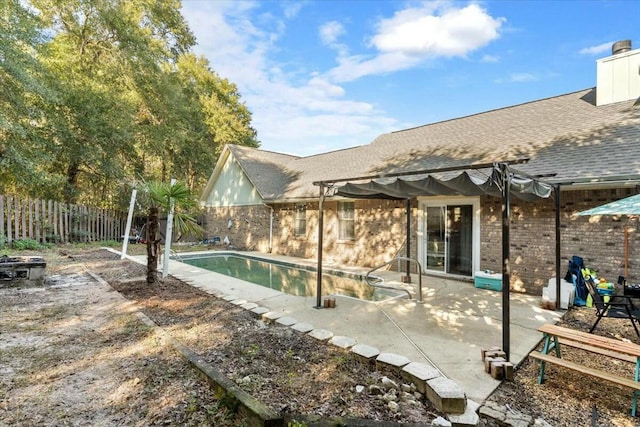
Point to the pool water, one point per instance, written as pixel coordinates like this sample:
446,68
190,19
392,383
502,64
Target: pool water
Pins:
287,278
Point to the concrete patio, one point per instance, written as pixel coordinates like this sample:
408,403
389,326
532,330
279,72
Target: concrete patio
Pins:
448,330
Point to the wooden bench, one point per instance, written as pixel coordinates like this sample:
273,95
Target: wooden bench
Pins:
557,336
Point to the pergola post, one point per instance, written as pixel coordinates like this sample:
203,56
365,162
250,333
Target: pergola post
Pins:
407,278
556,190
506,264
320,232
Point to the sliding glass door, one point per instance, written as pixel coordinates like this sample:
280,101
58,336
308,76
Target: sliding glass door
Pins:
448,237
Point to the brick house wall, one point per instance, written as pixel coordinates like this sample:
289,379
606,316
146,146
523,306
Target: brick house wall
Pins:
598,240
380,228
247,227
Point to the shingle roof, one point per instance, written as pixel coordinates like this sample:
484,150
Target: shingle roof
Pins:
268,171
565,135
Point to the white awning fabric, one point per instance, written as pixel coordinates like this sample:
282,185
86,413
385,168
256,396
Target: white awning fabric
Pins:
467,183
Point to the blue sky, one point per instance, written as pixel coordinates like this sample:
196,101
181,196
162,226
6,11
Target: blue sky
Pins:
324,75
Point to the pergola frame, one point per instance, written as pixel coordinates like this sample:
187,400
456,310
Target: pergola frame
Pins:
505,174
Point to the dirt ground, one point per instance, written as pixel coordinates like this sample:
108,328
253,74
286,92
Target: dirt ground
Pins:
72,353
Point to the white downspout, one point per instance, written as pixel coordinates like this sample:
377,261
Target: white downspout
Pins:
270,227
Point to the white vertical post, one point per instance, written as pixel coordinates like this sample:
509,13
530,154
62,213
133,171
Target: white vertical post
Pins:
125,240
167,243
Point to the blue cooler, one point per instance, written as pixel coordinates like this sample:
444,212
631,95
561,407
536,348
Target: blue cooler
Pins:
485,280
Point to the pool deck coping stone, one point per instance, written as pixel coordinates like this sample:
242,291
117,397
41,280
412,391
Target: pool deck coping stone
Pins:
321,334
302,327
286,321
259,310
342,341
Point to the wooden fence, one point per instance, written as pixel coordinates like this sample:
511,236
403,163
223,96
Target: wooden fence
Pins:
49,221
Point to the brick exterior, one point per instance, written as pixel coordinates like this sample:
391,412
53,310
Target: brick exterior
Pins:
379,231
599,241
380,228
247,227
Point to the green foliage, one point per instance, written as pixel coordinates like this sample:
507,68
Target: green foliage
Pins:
26,99
96,94
163,195
251,351
229,401
26,244
294,423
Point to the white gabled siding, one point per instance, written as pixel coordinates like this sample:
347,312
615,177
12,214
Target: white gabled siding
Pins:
232,188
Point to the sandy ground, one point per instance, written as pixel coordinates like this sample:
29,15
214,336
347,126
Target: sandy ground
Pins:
72,354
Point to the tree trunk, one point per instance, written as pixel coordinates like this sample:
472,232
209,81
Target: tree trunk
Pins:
153,246
71,189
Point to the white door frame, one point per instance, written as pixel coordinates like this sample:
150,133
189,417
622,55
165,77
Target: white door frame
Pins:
437,201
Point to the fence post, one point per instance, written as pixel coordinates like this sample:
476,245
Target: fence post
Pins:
23,217
30,213
60,222
55,221
2,218
64,221
16,217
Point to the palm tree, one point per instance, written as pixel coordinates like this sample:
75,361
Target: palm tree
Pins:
161,196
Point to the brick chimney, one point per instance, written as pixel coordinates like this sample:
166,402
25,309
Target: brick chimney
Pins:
618,76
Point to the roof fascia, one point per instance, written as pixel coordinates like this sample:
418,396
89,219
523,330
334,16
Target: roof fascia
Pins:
619,181
296,200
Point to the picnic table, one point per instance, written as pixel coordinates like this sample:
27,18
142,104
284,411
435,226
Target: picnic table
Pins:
557,336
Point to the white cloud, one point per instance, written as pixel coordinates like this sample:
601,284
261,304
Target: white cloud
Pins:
455,32
518,78
414,35
293,112
291,9
596,50
354,67
330,32
490,58
522,77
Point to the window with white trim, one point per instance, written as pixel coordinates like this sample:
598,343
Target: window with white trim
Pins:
300,225
346,220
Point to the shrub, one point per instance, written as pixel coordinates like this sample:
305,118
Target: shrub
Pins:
26,244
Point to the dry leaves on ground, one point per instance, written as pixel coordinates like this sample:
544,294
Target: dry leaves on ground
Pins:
73,354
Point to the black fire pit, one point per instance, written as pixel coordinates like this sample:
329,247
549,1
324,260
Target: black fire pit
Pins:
18,270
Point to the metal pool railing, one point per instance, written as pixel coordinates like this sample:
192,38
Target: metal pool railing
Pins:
378,282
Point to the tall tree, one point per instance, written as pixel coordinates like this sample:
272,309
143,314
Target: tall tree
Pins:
112,94
107,56
26,97
207,114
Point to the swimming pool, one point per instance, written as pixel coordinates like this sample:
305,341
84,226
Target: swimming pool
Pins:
287,278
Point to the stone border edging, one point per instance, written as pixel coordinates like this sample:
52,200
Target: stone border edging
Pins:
455,405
